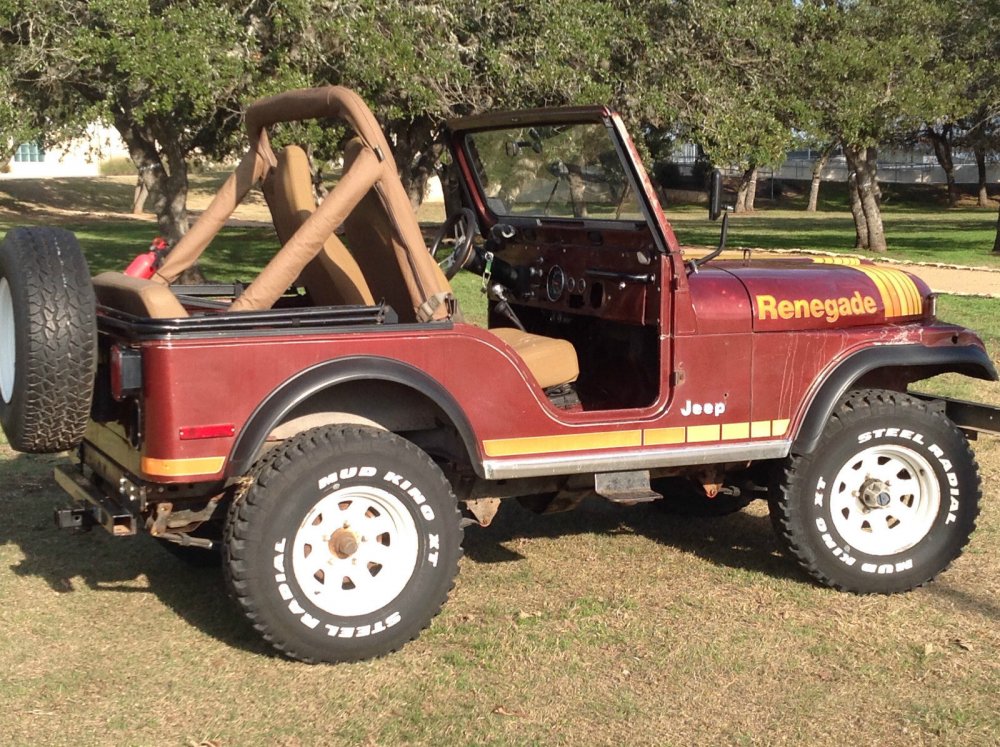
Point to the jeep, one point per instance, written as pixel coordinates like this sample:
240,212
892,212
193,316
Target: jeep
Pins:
329,429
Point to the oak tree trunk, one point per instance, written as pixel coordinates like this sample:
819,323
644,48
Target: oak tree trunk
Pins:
749,177
751,197
860,225
817,177
983,196
162,168
863,163
942,150
996,241
416,155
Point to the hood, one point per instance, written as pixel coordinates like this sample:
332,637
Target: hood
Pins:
827,292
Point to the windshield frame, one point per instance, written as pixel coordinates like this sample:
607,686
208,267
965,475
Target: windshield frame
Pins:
475,195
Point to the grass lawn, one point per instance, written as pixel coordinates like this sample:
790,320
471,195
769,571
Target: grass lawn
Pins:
607,625
962,236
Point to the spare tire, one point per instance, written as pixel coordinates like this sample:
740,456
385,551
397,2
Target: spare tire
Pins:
48,340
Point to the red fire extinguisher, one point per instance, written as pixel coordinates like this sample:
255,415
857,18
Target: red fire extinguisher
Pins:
144,265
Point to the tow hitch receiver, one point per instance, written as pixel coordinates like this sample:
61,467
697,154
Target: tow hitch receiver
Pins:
90,507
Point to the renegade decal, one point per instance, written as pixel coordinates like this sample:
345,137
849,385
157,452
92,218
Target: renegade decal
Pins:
675,435
831,309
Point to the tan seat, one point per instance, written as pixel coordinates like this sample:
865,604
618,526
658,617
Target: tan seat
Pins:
381,241
333,277
145,298
552,361
385,238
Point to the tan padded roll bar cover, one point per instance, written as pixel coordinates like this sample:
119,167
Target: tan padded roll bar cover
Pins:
421,274
255,165
423,277
286,266
333,277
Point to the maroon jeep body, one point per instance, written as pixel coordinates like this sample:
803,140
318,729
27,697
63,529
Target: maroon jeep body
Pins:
334,426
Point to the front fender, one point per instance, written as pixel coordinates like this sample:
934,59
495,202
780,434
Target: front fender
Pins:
305,384
923,361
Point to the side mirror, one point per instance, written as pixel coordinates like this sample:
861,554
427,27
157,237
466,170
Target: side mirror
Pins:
715,195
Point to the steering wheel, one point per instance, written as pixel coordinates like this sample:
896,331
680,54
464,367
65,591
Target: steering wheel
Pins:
459,230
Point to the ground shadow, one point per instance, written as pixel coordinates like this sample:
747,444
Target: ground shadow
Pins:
741,540
64,559
137,565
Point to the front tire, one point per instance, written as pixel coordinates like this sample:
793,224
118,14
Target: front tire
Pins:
346,545
885,502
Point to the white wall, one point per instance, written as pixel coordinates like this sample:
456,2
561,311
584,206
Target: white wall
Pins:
81,157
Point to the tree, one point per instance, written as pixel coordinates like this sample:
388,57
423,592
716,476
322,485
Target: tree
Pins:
729,80
869,69
418,64
817,175
171,76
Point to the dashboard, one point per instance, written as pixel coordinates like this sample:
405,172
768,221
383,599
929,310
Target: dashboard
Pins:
589,272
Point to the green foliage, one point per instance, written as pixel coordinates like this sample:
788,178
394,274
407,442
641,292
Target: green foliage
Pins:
728,78
871,68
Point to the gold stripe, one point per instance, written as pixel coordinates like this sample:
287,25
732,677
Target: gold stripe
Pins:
889,304
893,279
846,261
908,291
916,302
733,431
893,307
900,296
692,434
573,442
663,436
701,433
182,467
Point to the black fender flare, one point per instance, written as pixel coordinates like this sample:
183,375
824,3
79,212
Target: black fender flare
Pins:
967,359
322,376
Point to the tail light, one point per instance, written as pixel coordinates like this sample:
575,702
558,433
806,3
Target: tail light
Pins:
126,372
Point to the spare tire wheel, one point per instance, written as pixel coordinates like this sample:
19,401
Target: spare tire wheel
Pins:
48,340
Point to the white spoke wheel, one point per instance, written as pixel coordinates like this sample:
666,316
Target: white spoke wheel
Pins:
355,550
345,546
886,500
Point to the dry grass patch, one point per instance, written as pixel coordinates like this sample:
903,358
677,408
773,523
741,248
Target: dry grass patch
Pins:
599,626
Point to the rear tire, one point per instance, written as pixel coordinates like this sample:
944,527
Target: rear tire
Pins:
885,502
345,546
48,340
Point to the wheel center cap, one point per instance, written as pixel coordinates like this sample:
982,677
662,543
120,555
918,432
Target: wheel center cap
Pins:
344,543
875,494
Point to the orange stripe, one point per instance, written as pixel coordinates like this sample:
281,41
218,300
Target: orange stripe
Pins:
182,467
917,302
890,305
570,442
895,279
